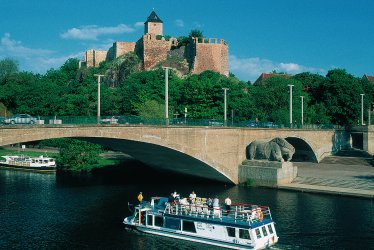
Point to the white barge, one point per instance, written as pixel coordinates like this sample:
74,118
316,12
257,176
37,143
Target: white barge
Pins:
26,162
244,226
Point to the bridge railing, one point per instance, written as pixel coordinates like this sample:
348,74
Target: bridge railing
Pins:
134,120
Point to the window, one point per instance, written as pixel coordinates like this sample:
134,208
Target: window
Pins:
149,220
265,233
230,231
244,234
258,233
172,223
189,226
159,221
270,229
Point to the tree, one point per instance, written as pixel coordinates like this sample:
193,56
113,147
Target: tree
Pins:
7,67
77,156
272,100
196,33
341,96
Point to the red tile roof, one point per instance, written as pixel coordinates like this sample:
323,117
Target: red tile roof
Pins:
264,76
370,78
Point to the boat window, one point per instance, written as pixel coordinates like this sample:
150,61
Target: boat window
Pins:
144,214
149,220
258,233
159,221
230,231
264,231
270,229
189,226
244,234
173,223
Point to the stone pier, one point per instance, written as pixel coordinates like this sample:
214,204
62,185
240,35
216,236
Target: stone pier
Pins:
266,173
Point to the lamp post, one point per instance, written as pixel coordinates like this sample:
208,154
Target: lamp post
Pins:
290,85
185,116
98,97
302,111
166,95
225,104
362,109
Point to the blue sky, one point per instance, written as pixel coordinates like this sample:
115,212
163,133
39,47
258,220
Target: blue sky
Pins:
291,36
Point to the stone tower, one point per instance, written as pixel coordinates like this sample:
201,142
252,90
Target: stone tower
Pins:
153,25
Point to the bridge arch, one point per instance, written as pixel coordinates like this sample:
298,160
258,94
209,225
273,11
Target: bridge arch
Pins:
162,157
303,150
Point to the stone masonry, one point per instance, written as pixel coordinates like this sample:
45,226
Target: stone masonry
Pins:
152,48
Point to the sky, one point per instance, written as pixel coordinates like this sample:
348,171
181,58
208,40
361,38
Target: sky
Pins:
291,36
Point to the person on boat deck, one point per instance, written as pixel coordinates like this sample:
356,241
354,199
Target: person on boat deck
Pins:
209,203
140,197
228,204
192,197
215,202
171,198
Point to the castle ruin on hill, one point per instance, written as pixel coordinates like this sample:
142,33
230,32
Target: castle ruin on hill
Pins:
154,49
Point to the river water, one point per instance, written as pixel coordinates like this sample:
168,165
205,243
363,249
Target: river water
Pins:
53,211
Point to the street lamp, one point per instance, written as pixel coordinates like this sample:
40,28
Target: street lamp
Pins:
166,95
302,111
362,109
290,85
185,116
225,104
98,97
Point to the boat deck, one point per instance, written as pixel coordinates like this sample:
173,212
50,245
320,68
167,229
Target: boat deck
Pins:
239,214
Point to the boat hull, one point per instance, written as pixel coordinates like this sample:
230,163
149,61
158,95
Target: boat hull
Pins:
44,168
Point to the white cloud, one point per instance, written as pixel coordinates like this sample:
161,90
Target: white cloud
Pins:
91,32
179,23
139,24
251,68
13,48
30,59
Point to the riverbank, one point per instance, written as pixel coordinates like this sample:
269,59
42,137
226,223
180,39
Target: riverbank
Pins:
338,175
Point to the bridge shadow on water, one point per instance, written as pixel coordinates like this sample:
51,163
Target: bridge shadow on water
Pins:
126,173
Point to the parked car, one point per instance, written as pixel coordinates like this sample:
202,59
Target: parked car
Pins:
2,118
109,120
20,119
252,124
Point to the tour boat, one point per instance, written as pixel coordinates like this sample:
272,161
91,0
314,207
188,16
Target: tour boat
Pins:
27,162
244,226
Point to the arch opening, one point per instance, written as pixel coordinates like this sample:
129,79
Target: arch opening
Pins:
303,151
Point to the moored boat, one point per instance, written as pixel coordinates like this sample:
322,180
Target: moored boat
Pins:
244,226
27,162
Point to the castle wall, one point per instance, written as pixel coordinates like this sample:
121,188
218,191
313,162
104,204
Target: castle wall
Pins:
210,54
154,51
119,49
94,57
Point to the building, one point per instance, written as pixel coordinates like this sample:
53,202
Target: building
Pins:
264,76
154,49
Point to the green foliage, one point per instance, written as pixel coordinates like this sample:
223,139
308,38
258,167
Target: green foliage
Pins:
78,156
150,109
272,99
196,33
7,67
125,90
341,95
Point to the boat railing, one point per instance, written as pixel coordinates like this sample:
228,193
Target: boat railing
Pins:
238,212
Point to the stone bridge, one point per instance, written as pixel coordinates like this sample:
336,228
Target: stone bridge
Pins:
210,152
